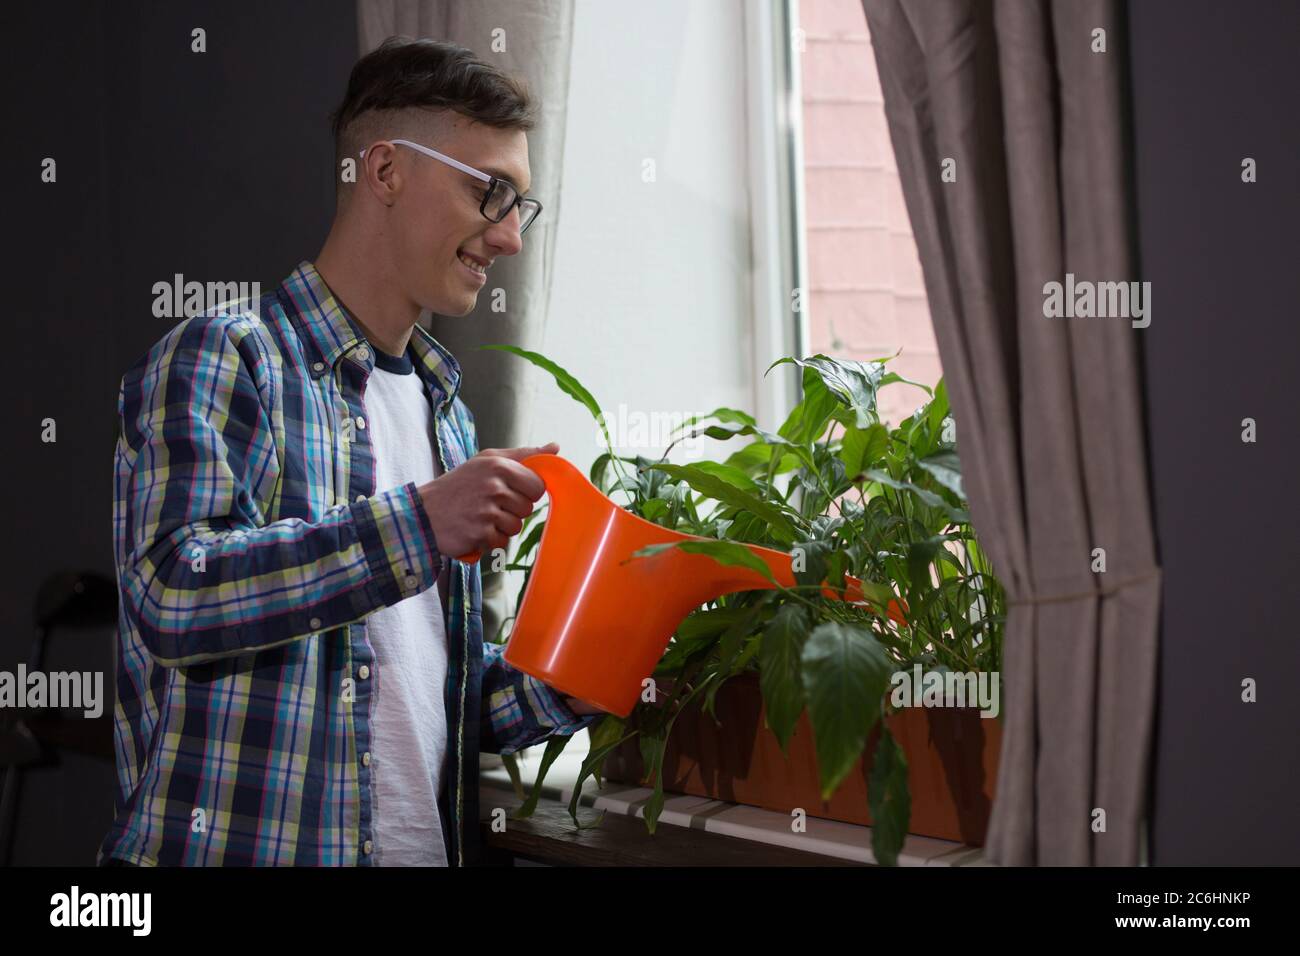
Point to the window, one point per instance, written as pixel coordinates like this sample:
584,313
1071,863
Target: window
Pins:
866,298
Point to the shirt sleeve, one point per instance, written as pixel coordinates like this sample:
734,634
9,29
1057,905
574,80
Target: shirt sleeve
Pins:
203,575
519,710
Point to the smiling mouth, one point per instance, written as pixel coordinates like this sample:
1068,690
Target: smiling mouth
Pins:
472,263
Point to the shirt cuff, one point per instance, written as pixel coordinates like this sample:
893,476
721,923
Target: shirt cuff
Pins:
567,721
519,710
400,547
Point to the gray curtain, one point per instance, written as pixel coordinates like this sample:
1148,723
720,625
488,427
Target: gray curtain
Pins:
1048,411
537,37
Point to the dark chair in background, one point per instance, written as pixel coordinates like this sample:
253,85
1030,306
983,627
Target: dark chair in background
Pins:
66,752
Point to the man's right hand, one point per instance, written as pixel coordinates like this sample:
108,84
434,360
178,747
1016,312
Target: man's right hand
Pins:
482,504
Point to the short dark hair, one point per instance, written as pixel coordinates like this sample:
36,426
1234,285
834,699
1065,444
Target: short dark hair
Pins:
405,73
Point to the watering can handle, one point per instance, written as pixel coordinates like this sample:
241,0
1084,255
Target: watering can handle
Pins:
473,556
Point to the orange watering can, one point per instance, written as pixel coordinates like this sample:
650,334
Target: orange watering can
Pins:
593,624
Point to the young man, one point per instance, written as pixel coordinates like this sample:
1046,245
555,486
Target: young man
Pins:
302,676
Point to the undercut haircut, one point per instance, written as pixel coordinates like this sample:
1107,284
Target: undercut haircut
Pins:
403,74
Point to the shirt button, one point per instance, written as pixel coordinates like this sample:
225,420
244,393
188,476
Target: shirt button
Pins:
367,847
361,423
363,671
318,366
315,623
361,497
411,581
363,353
365,759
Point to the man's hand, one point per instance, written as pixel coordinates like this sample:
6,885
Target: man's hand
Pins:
482,504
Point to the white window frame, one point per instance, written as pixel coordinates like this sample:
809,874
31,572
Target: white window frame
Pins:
776,197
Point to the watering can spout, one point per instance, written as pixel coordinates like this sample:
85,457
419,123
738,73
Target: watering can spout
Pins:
594,622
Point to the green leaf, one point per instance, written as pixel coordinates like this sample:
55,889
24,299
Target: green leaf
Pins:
726,431
853,383
591,765
752,645
747,455
730,646
815,555
554,747
837,565
730,474
757,456
925,437
747,527
724,552
721,489
732,639
652,756
607,730
889,799
845,672
946,468
929,497
752,457
511,763
807,420
877,594
861,448
891,377
919,556
598,467
654,509
530,540
779,671
709,622
568,384
729,415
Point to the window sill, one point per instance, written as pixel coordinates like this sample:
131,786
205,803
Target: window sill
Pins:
828,838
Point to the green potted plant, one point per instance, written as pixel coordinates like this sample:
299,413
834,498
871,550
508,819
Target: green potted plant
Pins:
844,494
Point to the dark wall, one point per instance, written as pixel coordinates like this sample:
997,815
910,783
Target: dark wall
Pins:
1214,83
215,165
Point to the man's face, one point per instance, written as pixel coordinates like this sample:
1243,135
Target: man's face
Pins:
444,246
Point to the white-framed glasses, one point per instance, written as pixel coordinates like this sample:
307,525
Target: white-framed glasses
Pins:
500,198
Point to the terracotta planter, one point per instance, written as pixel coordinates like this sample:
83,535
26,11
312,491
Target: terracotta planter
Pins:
952,756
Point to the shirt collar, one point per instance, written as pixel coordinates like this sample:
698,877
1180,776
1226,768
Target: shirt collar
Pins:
330,334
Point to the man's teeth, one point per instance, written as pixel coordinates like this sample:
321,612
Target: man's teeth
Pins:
476,266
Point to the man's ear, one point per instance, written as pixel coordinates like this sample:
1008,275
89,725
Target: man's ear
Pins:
380,173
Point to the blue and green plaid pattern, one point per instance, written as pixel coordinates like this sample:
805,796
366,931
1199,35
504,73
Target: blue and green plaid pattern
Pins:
250,545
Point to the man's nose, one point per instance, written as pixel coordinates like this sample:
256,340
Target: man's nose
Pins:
504,235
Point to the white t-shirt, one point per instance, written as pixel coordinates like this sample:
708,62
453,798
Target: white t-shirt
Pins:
408,721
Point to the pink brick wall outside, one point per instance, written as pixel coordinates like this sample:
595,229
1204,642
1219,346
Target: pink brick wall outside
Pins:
867,297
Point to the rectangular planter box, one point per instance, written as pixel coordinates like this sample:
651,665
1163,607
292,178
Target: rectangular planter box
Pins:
952,757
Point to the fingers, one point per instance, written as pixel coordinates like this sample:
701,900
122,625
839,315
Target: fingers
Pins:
515,504
519,454
497,540
511,485
506,490
507,525
521,478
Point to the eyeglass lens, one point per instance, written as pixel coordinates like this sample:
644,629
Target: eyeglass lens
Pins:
500,200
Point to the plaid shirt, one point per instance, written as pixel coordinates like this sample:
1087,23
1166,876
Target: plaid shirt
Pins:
250,545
